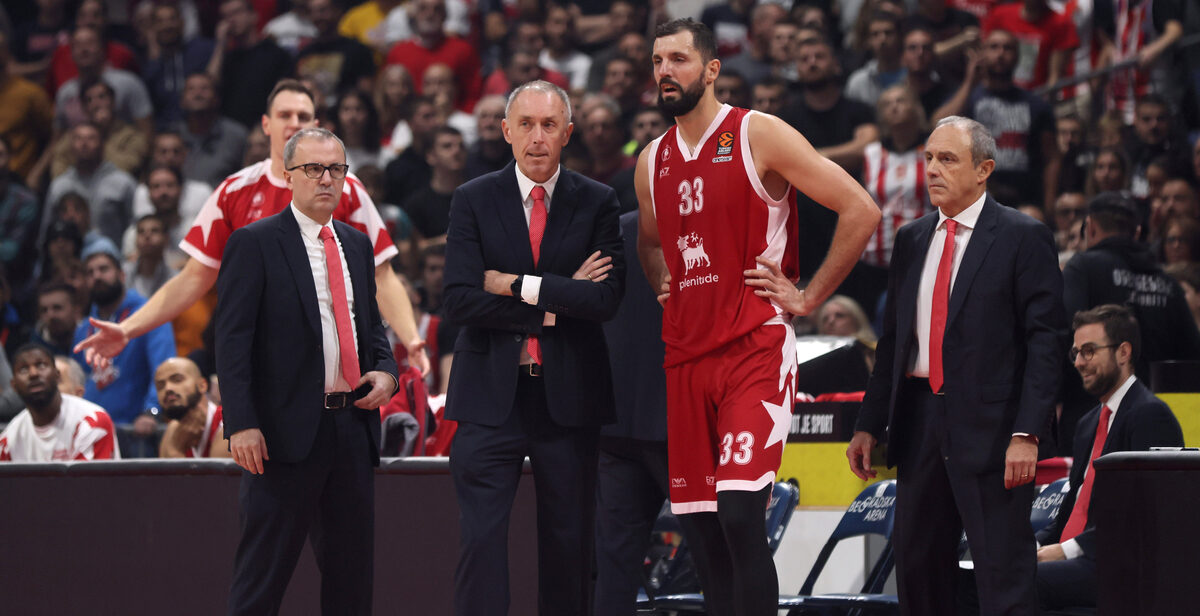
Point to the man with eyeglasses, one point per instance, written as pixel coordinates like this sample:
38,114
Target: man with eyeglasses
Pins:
305,366
1117,269
1128,418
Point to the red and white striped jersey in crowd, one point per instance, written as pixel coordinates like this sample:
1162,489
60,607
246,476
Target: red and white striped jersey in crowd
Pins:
213,425
82,431
896,180
254,193
1084,57
1126,86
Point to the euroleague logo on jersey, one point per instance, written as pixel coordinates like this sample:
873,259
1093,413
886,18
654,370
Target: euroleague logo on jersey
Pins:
724,147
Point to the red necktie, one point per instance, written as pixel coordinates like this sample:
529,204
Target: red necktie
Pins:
1078,519
341,308
941,300
537,228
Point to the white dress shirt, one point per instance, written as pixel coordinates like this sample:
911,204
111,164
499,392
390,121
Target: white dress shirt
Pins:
309,230
1071,547
966,220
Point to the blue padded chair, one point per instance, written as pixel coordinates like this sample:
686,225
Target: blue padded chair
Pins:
784,499
1045,506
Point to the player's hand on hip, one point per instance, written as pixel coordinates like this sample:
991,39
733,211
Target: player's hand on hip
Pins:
770,283
382,387
664,291
1020,462
106,342
249,449
859,454
594,268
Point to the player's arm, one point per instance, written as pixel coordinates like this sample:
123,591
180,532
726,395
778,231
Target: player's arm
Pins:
180,292
649,246
397,310
780,149
219,447
169,447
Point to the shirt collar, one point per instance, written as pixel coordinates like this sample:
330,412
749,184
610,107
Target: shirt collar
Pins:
309,227
1114,401
968,217
525,185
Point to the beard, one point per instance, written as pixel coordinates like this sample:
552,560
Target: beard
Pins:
178,410
40,399
106,294
1102,384
689,97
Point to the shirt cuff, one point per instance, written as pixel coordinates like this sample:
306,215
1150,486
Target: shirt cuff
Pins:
1035,439
1071,549
531,288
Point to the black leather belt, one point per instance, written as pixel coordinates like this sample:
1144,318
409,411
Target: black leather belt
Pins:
530,370
338,400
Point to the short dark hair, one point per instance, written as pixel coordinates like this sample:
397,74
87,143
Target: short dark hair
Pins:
703,38
1153,98
32,347
84,87
168,168
286,85
56,287
1114,212
1120,325
444,129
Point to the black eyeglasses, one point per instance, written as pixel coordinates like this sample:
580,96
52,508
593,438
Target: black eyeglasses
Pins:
1088,351
314,171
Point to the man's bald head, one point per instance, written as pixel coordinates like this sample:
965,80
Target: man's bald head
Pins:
181,387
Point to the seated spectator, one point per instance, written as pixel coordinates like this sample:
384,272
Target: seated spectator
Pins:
245,64
1075,155
518,66
731,89
58,317
18,222
91,14
770,95
54,426
1109,172
1181,240
61,246
194,426
603,137
256,149
784,51
70,376
25,116
126,386
123,144
293,29
842,316
170,59
1188,276
214,142
108,190
560,53
754,61
1154,136
35,40
918,58
334,62
884,68
430,44
622,82
460,19
438,83
132,101
429,206
148,270
166,192
1069,208
357,124
410,170
1129,418
1178,198
393,96
490,152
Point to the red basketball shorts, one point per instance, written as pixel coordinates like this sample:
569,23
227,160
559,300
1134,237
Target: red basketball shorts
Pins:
728,414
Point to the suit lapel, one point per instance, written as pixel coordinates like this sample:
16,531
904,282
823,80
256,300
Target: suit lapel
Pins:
297,259
1132,398
510,209
906,306
981,241
559,219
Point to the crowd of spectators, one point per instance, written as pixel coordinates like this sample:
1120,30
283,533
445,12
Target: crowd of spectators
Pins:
118,118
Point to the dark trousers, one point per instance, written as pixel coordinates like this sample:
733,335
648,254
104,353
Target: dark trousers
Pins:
485,462
936,501
631,490
328,498
1067,583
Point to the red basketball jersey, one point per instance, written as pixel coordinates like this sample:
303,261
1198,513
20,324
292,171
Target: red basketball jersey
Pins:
714,217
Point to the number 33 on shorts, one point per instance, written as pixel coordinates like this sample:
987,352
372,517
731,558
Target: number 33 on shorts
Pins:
739,449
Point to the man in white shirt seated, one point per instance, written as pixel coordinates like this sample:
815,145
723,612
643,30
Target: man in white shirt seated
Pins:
194,423
54,426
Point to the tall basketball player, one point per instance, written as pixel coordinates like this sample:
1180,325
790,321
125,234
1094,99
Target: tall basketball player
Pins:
717,239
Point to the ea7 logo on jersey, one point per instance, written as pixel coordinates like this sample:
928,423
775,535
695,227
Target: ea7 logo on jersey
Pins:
691,246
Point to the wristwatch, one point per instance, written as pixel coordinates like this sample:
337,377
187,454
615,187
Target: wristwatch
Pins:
516,287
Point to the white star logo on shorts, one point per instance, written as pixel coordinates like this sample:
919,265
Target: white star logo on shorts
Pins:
781,420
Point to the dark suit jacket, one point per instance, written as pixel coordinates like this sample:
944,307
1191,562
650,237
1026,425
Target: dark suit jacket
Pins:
268,333
1003,345
488,232
1141,422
